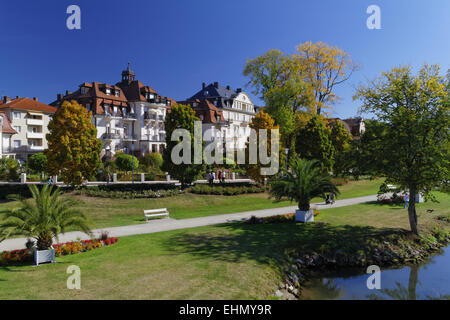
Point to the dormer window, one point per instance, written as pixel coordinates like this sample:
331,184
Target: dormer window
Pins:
108,91
117,93
83,90
168,102
147,96
152,96
206,93
194,104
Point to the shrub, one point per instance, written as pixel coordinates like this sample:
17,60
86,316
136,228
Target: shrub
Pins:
226,190
152,160
127,194
125,162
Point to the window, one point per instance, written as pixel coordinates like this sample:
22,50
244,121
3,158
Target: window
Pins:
16,143
16,115
17,128
88,106
152,96
108,91
117,93
115,109
83,90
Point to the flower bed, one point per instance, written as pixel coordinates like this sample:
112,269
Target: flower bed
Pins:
61,249
289,217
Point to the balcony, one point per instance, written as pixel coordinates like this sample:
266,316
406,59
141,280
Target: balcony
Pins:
150,116
112,115
130,117
35,122
152,138
129,137
36,148
111,136
35,135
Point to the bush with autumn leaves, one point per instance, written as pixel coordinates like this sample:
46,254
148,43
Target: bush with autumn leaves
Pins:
61,249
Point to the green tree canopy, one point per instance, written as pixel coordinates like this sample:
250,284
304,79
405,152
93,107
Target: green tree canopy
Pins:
38,162
181,117
414,150
124,162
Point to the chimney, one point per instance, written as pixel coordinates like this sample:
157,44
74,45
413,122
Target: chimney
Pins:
216,84
35,98
203,85
238,90
228,87
59,96
17,97
6,99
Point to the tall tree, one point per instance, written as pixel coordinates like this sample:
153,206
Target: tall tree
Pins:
341,141
38,162
313,141
73,148
261,121
414,152
181,117
275,77
323,68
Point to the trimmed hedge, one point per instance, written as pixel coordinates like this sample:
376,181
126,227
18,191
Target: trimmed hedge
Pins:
225,190
96,192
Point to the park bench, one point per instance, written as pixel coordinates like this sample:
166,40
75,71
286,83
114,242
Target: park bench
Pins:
155,213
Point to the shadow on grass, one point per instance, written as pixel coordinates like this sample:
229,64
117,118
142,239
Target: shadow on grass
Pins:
269,243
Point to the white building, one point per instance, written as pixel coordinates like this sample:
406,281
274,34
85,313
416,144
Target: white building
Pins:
234,112
26,123
128,115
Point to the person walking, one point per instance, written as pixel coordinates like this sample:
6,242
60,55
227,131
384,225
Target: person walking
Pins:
50,181
219,176
406,199
224,173
108,179
211,178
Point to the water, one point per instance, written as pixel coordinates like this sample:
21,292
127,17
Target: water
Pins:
430,280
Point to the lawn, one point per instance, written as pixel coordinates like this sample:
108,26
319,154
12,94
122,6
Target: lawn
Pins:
105,212
229,261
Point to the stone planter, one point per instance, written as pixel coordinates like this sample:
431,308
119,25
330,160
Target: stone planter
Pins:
42,256
304,216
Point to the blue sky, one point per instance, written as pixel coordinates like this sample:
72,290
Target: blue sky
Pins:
174,46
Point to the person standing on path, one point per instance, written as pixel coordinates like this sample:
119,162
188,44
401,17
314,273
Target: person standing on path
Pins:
108,179
406,199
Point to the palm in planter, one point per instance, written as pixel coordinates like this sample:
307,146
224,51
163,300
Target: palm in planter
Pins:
43,217
305,182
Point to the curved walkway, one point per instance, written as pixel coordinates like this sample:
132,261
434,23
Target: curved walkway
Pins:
173,224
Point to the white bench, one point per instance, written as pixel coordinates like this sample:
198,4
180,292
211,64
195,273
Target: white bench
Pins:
155,213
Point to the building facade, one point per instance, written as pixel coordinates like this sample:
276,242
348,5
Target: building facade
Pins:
233,108
26,127
129,116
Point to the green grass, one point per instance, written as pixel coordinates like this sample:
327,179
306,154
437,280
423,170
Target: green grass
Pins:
229,261
105,212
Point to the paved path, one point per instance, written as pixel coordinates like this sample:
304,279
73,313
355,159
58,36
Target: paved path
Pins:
173,224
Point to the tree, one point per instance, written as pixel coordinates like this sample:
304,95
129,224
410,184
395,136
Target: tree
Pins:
414,151
124,162
153,160
323,68
305,182
313,141
262,120
181,117
38,162
43,217
342,144
275,77
73,148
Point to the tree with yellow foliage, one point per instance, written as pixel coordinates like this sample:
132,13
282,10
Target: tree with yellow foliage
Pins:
261,121
323,67
73,148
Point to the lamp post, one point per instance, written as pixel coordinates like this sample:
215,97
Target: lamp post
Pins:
287,152
132,164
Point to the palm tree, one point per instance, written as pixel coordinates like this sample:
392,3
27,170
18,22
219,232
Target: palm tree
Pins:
306,181
43,217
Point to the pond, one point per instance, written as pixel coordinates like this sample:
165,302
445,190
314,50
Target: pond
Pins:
430,280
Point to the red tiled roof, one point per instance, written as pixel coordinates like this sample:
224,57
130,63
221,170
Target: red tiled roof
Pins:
27,104
6,127
205,108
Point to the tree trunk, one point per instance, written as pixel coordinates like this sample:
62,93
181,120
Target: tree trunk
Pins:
413,277
412,209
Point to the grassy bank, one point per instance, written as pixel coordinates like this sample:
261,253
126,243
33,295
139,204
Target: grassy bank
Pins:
107,212
230,261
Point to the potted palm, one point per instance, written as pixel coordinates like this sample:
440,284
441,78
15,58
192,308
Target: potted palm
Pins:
43,218
305,182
